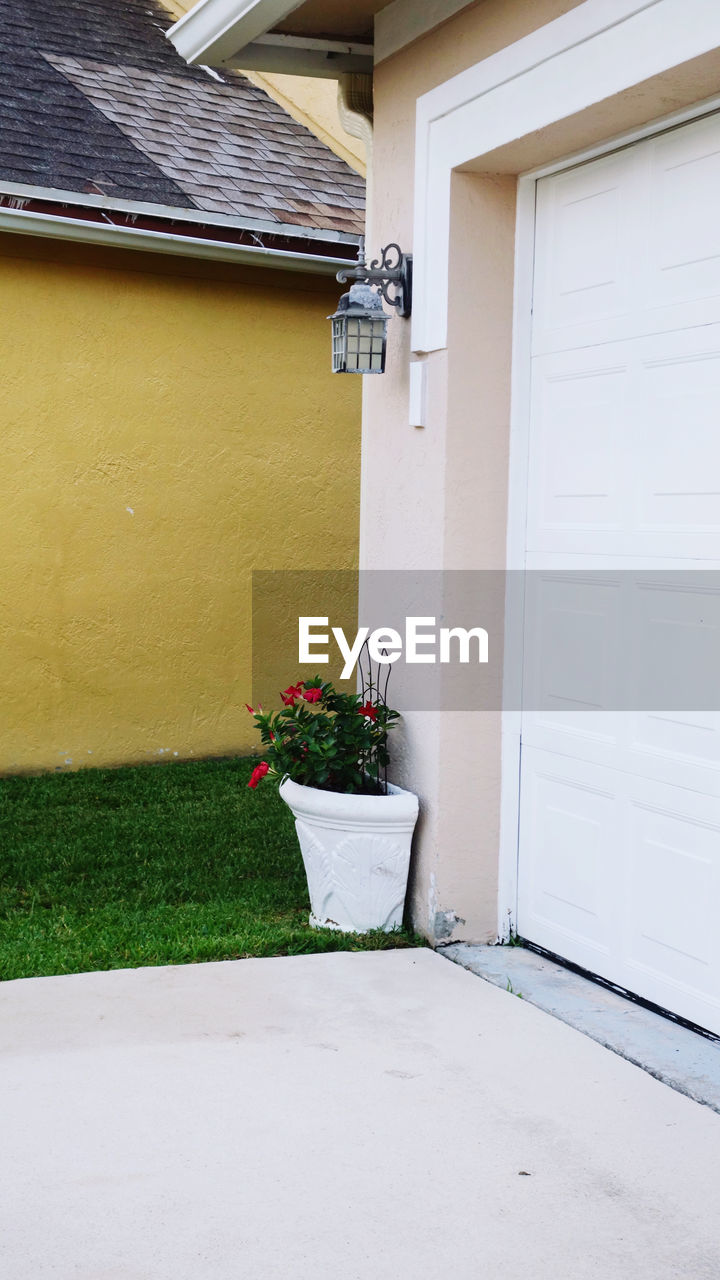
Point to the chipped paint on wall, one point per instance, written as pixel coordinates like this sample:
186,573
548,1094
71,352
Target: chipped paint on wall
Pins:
444,925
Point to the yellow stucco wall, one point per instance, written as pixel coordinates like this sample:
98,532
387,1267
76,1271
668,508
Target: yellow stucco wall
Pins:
314,102
166,427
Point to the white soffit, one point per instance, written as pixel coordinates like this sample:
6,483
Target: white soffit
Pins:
239,33
595,51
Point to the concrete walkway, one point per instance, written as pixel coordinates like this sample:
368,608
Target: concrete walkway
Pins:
380,1116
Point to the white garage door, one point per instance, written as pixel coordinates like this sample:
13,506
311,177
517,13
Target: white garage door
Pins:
619,863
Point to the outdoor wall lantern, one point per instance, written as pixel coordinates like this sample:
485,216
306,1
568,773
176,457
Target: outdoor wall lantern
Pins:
359,326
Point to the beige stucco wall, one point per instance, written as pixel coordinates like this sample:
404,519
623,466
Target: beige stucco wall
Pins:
457,463
446,506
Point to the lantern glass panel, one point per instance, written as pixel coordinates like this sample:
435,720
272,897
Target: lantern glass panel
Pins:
338,344
359,339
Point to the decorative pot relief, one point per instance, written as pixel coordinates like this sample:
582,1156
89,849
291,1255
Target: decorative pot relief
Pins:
356,851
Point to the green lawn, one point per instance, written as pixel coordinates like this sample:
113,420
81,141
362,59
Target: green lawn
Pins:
155,864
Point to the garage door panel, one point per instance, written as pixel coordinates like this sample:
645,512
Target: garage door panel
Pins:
623,741
631,243
670,917
672,954
692,314
626,880
586,272
684,232
582,420
574,823
670,642
573,660
636,640
688,737
619,864
621,439
678,394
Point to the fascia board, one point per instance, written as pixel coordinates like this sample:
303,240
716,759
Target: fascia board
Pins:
403,21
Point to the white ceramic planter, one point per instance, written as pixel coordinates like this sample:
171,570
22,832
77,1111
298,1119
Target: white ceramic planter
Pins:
356,851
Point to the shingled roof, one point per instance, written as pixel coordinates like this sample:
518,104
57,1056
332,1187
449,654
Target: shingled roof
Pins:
94,99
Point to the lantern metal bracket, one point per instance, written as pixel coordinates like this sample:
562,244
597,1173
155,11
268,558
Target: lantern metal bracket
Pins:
392,270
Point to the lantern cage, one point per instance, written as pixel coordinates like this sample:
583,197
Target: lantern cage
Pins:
359,332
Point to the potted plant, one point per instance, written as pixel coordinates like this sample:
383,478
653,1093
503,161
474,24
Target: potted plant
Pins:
329,751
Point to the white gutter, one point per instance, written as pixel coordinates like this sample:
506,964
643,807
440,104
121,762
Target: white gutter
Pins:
31,223
83,200
235,33
214,30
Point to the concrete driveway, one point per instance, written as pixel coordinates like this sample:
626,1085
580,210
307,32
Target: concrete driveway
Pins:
354,1116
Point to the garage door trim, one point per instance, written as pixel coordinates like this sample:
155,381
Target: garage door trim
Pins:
518,496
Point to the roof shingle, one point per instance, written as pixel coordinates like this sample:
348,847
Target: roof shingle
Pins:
94,97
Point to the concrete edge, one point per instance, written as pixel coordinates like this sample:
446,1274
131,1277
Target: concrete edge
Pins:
673,1054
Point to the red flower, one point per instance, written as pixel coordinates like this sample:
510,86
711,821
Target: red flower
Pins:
292,693
258,772
312,695
368,710
250,709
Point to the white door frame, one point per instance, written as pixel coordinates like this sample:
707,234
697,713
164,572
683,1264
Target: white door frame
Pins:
595,51
592,53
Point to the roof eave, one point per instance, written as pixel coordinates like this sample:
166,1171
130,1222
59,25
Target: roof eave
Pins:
22,192
238,33
88,224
